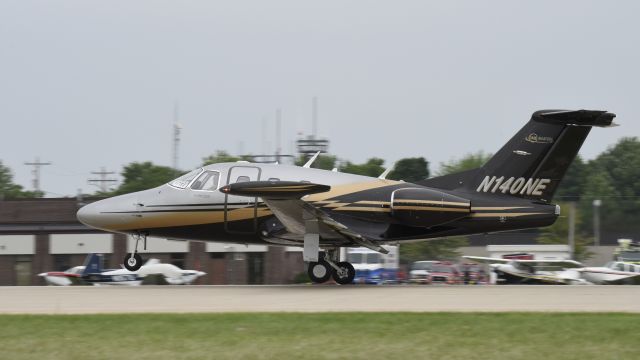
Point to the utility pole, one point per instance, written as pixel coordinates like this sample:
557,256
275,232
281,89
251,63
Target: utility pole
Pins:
176,136
314,117
596,222
37,164
572,229
103,182
278,126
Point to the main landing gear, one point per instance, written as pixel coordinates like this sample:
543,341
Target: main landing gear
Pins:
133,261
326,267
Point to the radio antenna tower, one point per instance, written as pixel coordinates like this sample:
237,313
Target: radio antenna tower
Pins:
37,164
176,136
103,182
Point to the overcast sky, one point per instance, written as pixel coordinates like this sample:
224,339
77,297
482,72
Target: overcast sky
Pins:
86,84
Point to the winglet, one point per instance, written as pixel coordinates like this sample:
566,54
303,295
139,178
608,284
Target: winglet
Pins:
313,158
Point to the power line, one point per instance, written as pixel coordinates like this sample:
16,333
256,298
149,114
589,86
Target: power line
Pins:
37,164
103,182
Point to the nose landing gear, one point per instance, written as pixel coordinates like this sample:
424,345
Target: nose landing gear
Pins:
133,261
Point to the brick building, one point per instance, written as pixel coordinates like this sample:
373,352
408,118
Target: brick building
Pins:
40,235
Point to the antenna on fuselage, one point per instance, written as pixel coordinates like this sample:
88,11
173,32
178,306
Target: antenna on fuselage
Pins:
383,176
313,158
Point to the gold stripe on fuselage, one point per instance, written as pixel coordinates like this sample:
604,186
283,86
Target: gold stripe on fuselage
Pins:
186,218
335,205
429,208
363,208
476,208
339,190
506,214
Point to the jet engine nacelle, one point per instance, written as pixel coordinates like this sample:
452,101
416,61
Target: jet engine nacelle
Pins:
426,207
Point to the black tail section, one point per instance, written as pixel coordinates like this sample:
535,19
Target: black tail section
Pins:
532,164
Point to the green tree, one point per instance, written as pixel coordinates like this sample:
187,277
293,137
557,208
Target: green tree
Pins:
141,176
325,162
558,233
220,156
572,185
410,169
373,167
613,177
467,162
9,190
438,249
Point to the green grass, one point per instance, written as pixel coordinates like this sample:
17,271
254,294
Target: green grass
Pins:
322,336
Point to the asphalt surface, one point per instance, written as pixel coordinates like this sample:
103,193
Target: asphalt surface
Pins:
318,298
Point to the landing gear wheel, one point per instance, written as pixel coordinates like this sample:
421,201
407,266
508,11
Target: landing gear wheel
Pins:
132,263
346,275
319,272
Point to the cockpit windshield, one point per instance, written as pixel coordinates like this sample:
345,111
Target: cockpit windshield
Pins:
184,180
208,181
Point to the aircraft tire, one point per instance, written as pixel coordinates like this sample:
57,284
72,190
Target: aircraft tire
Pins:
132,264
319,272
344,280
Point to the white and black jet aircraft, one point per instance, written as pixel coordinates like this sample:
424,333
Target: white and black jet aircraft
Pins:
316,209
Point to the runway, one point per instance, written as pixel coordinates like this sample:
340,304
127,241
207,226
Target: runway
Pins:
323,298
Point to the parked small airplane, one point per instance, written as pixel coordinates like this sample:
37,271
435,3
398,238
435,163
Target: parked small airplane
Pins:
71,276
316,209
518,271
613,273
93,273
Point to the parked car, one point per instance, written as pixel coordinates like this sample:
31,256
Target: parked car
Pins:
444,273
420,270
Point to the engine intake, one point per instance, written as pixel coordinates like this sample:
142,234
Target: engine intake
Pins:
426,207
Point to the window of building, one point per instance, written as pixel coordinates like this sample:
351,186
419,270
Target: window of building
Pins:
177,259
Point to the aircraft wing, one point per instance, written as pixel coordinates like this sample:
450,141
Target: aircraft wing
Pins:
539,265
488,260
284,199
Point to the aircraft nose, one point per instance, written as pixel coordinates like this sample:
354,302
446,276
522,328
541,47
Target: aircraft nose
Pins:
89,215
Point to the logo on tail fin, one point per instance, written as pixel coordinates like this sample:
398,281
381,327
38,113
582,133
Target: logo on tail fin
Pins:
537,139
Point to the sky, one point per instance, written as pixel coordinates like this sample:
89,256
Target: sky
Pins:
91,84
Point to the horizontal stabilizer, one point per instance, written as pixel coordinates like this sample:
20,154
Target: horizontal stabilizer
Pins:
575,117
274,189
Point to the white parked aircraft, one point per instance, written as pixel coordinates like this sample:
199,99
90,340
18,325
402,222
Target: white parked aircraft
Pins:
63,278
93,273
533,271
614,273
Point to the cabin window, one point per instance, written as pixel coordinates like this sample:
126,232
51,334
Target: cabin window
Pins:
274,179
242,179
184,180
208,181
